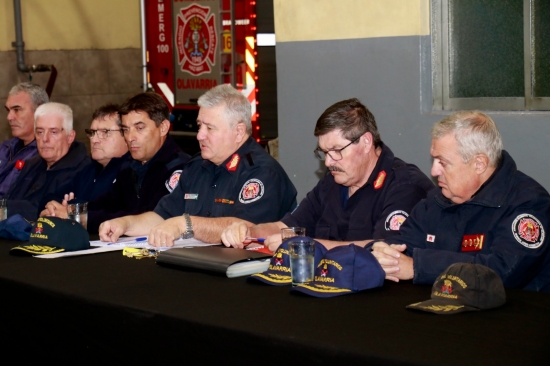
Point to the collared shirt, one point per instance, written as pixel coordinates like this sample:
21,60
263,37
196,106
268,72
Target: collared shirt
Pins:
374,211
250,185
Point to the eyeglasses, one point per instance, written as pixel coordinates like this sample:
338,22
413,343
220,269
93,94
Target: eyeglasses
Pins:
102,134
54,132
335,154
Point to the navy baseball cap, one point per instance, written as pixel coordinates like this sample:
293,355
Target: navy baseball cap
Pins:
464,287
278,272
344,270
54,235
15,227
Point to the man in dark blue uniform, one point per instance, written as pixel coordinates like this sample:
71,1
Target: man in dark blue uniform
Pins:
486,212
232,178
366,194
154,169
59,159
23,99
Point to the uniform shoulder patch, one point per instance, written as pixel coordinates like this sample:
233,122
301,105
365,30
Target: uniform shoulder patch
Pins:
173,181
253,190
395,220
528,231
379,182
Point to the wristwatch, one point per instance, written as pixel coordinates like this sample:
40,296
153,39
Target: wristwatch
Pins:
188,234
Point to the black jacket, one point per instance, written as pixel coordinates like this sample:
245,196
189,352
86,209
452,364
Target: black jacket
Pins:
37,185
128,196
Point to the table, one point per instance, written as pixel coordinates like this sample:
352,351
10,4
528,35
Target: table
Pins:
107,307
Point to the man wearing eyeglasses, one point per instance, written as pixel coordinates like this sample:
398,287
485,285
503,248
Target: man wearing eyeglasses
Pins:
23,99
59,159
367,193
153,171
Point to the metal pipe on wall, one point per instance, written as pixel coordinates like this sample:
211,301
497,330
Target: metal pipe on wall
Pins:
143,45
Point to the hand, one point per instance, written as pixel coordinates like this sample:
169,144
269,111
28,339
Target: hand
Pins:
54,208
164,234
111,230
234,235
272,242
397,265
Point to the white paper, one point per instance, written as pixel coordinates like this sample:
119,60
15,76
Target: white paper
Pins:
99,246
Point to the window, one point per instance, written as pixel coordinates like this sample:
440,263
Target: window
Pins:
491,54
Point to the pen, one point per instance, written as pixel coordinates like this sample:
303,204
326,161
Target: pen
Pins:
259,240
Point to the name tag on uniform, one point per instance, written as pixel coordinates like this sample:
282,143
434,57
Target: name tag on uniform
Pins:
472,243
191,196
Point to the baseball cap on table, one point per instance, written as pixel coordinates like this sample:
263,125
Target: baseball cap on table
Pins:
464,287
278,272
54,235
344,270
16,228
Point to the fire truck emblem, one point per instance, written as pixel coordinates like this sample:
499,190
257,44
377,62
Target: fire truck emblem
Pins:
447,287
196,39
252,191
528,231
395,220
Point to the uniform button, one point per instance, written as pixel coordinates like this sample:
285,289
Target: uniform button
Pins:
214,186
208,214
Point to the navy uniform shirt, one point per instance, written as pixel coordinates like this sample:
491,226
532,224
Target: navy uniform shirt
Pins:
250,185
374,211
503,226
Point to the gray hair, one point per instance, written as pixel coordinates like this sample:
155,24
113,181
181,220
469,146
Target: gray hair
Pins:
37,94
59,109
237,107
475,133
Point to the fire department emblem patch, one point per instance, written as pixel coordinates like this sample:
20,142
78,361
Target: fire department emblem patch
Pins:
196,39
395,220
173,181
447,287
528,231
39,229
252,191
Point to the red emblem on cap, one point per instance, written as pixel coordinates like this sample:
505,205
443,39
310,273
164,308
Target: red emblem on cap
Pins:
19,164
472,243
379,182
447,287
233,163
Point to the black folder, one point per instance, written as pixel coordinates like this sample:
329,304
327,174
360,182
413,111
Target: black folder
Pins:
229,261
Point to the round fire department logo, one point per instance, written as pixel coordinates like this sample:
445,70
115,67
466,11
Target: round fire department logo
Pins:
173,181
528,231
395,220
196,39
252,191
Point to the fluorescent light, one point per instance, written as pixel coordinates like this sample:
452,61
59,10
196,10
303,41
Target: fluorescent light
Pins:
265,39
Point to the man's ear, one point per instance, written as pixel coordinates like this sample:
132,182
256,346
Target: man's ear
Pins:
481,162
367,140
240,129
164,127
71,136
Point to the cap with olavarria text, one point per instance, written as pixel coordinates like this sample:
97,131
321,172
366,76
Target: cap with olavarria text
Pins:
54,235
464,287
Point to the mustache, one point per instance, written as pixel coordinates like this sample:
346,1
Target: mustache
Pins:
335,169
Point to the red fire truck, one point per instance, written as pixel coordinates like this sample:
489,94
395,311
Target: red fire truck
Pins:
191,46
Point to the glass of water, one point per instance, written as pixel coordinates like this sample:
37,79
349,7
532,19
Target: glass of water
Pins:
302,253
79,213
3,209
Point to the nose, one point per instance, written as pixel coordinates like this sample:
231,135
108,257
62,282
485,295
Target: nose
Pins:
11,115
435,171
95,139
201,135
329,161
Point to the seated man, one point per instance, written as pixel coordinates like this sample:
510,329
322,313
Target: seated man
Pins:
155,167
233,176
367,192
109,154
486,212
23,99
59,159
